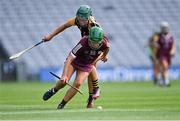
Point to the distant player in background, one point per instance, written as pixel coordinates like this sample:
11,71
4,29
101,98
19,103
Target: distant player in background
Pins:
153,50
84,21
163,48
81,60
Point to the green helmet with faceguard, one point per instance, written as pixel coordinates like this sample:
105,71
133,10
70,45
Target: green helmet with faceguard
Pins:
84,12
96,34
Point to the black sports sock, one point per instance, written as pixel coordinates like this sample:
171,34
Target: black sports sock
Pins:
155,80
54,90
95,84
62,104
90,94
90,98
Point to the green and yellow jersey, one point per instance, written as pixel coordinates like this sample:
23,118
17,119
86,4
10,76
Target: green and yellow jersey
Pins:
84,30
153,46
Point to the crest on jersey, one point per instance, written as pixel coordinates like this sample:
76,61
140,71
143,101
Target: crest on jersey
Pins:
92,52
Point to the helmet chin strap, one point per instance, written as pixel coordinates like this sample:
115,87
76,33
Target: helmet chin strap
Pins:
78,22
89,43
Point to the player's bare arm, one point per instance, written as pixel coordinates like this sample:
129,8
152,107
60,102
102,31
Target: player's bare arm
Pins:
67,64
98,59
155,40
105,55
154,45
59,29
173,50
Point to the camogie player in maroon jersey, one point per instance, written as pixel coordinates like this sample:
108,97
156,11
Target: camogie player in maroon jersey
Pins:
81,59
163,49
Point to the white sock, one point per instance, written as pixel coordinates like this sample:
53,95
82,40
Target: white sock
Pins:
166,81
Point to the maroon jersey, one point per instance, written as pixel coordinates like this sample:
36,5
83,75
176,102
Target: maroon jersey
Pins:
165,45
85,55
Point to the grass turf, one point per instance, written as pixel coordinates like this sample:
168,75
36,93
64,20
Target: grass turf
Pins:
120,100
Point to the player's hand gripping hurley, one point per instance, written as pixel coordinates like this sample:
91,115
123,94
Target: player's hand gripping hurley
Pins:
67,83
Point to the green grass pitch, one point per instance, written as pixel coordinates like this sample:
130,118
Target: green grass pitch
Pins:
120,101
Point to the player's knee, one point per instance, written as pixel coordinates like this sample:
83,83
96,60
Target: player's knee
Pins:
60,82
165,65
77,84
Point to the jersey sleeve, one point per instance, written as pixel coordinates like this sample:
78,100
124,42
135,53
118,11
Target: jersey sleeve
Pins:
106,42
78,48
155,38
70,22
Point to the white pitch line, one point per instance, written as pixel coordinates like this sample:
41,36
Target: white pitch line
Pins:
76,110
21,106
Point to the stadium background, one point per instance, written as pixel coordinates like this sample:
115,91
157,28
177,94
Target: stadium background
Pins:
128,24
